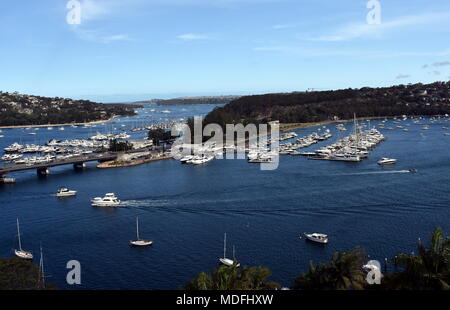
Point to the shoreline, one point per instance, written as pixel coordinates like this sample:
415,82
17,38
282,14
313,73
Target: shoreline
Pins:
293,126
116,164
61,125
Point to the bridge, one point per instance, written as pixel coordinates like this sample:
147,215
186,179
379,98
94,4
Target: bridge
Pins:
42,168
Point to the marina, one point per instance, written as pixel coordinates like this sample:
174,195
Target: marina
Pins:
174,202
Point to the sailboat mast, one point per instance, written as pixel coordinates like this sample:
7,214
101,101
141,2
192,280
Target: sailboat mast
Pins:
225,246
137,228
18,234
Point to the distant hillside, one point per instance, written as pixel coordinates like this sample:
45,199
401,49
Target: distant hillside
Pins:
17,109
305,107
192,100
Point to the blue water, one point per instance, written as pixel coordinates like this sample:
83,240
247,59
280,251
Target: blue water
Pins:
185,210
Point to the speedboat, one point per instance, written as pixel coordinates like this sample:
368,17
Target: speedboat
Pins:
139,241
64,192
316,237
387,161
110,200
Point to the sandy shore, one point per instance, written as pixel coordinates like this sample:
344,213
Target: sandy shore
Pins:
60,125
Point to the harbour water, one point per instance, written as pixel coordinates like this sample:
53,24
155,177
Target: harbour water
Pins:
186,209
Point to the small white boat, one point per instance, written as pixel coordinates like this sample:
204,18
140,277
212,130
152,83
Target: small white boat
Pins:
139,241
110,200
187,158
387,161
64,192
20,252
316,237
224,260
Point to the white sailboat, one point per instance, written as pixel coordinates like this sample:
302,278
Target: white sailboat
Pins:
20,252
139,241
226,261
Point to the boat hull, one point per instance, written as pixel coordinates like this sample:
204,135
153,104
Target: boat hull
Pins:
228,262
23,254
140,243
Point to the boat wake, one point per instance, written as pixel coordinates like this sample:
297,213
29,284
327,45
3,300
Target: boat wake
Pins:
145,203
379,172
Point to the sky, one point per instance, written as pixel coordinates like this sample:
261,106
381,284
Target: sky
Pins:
125,50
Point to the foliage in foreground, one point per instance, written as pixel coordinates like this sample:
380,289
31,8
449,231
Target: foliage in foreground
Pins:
19,274
233,278
428,270
344,272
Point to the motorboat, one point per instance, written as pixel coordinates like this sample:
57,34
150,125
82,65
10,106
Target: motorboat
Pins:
187,158
139,242
316,237
110,200
413,170
227,261
387,161
64,192
21,253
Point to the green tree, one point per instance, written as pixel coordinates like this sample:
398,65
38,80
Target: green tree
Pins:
116,146
344,272
429,270
233,278
19,274
159,135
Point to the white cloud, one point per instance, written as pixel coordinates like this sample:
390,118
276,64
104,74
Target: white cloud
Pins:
192,36
282,26
347,52
441,64
402,76
358,30
99,37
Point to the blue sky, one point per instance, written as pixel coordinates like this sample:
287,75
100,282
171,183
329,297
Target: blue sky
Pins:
139,49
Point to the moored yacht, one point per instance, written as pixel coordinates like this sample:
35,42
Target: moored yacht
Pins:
224,260
316,237
139,241
20,252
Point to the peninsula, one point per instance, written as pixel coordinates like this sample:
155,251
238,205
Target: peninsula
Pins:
26,110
